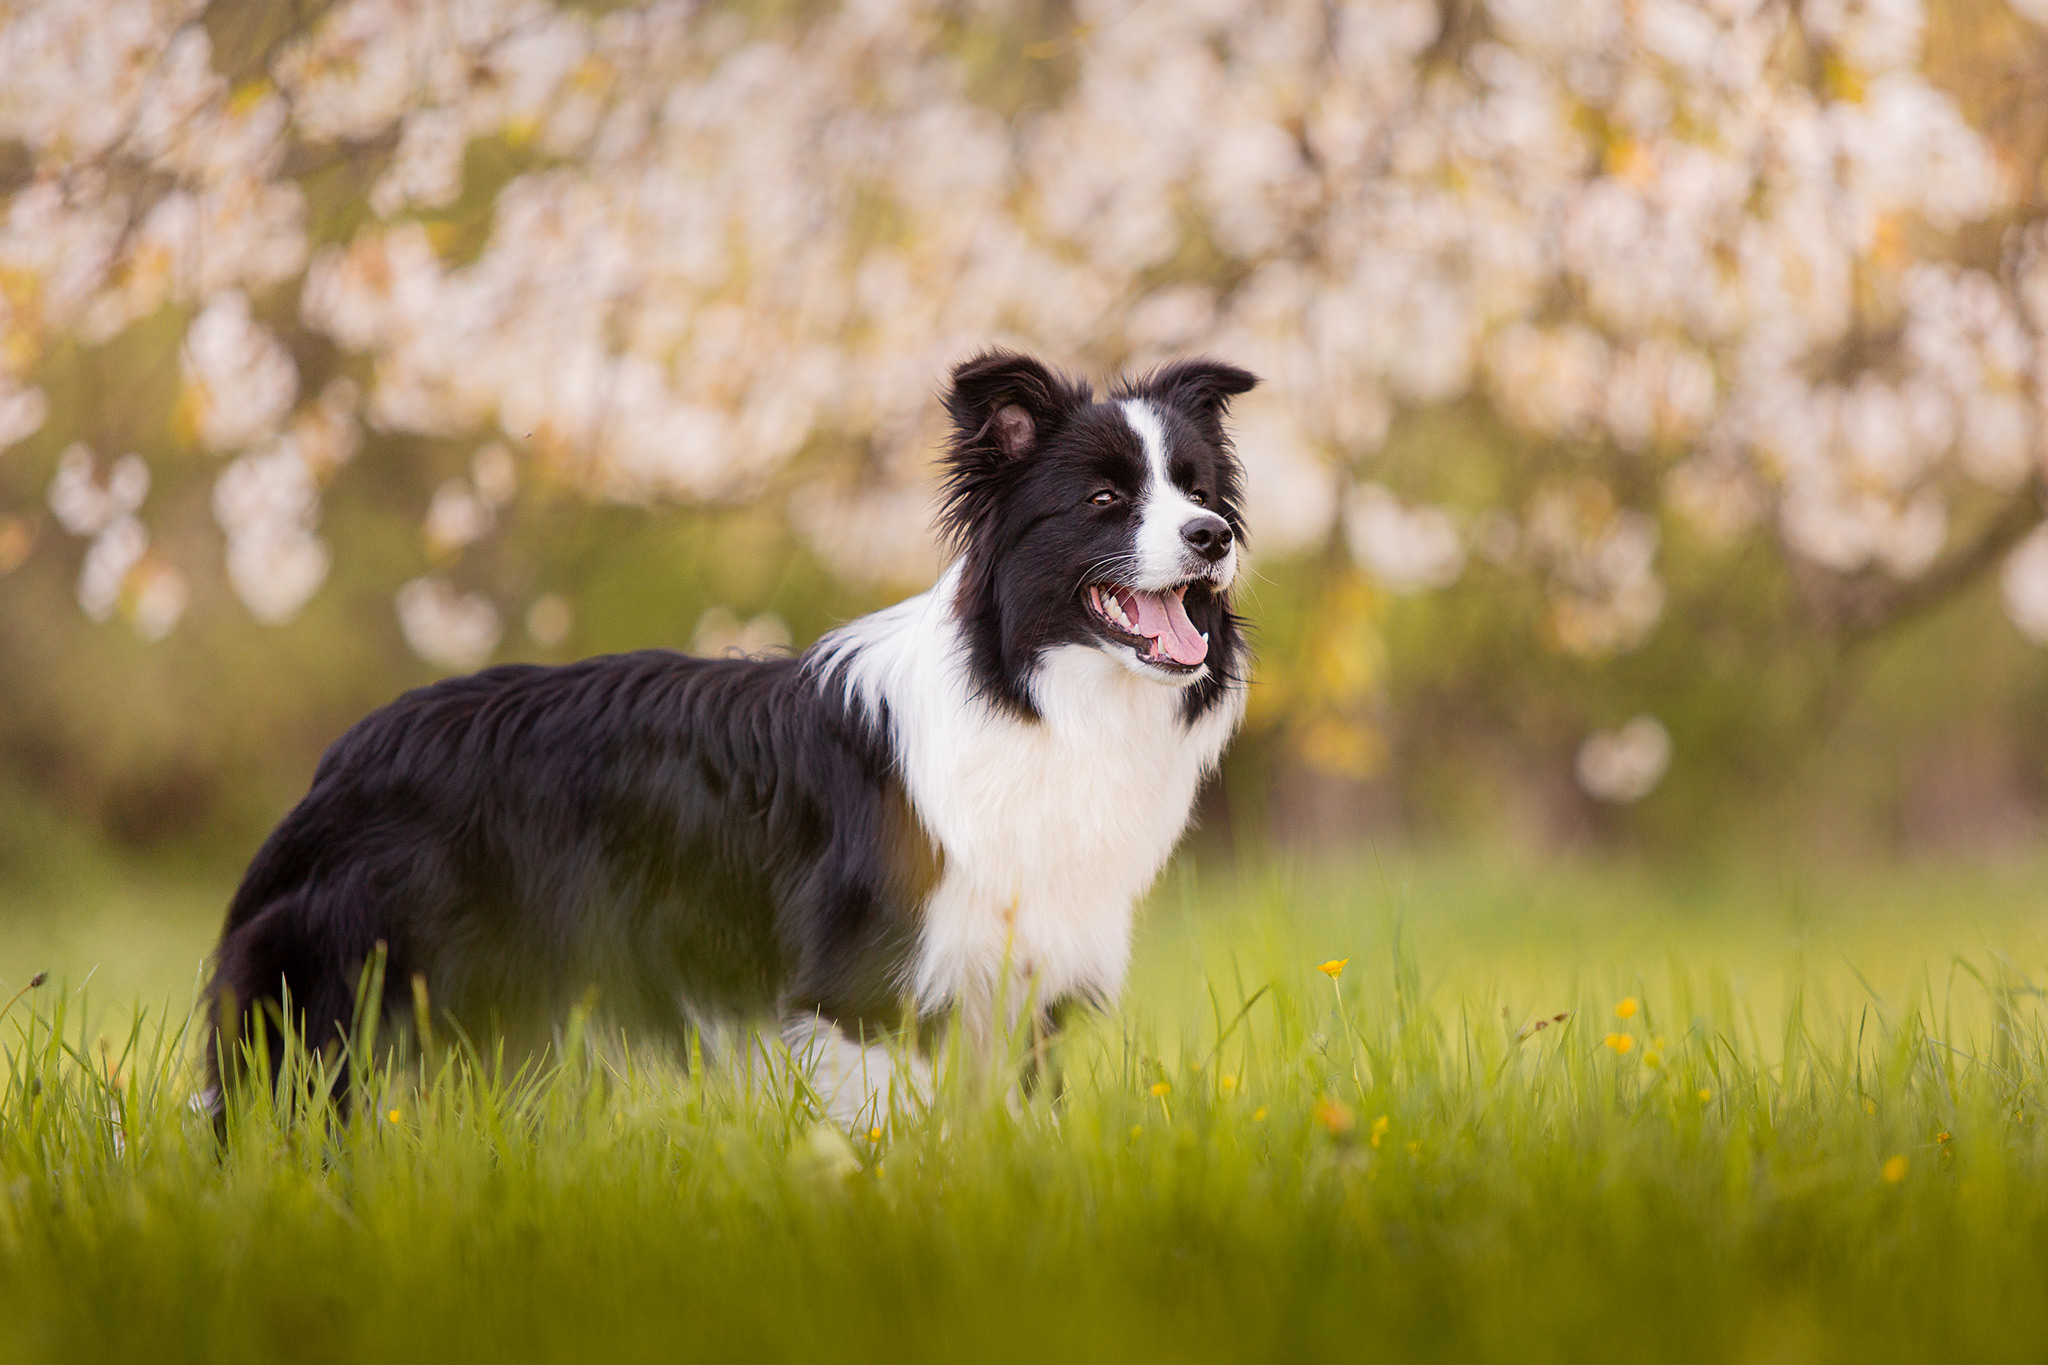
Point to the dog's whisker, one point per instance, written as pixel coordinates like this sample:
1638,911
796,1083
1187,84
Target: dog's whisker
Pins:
1105,565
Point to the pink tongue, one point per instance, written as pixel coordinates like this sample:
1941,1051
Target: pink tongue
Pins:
1162,616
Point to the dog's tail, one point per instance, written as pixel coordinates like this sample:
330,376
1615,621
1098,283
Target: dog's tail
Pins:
287,981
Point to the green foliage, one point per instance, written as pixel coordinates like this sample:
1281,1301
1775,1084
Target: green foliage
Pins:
1252,1159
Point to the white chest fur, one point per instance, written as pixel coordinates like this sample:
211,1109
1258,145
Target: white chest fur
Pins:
1050,830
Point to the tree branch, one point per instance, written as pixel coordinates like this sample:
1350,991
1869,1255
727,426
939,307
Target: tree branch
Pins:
1860,609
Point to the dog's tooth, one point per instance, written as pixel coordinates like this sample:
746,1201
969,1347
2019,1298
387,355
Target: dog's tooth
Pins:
1205,639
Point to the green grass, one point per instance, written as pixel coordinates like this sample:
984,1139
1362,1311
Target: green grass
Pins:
1390,1163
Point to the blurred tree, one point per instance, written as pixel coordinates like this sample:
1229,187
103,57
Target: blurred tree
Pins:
1630,365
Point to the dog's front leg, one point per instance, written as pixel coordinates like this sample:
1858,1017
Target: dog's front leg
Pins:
859,1083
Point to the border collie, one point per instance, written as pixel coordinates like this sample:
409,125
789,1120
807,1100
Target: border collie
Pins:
949,804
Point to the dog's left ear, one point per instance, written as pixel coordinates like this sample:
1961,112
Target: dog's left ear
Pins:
1005,405
1201,388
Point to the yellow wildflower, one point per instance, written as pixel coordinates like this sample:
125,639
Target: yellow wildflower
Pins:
1259,1114
1895,1170
1705,1094
874,1135
1334,968
1626,1009
1379,1129
1652,1057
1161,1088
392,1115
1137,1129
1620,1042
1229,1084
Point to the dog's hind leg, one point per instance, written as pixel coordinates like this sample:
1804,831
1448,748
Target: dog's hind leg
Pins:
278,967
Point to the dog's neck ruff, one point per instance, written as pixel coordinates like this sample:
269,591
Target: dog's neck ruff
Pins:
1050,830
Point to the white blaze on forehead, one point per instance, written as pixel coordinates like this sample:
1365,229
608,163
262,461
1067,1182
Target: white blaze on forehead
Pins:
1151,433
1162,508
1162,556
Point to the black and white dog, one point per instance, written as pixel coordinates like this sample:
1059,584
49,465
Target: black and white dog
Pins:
952,802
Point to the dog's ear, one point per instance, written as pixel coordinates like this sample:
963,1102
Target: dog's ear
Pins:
1201,388
1005,405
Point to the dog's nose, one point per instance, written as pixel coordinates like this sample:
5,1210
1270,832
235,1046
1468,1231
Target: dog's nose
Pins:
1208,536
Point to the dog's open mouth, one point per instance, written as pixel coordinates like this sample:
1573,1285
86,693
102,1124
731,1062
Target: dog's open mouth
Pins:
1155,624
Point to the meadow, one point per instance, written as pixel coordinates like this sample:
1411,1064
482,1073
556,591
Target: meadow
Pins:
1786,1115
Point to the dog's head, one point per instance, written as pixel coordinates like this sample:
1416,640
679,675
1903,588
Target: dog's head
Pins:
1111,523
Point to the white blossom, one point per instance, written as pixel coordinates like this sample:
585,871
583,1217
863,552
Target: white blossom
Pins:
456,517
239,380
1600,564
1624,765
1404,548
724,247
1291,492
445,627
22,412
113,554
494,474
84,505
268,504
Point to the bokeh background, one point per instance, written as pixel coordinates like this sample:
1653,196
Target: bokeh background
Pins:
1650,456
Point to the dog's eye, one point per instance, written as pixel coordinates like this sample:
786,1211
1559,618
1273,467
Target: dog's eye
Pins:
1199,498
1104,497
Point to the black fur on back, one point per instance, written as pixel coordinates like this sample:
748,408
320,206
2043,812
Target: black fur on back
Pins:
688,837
